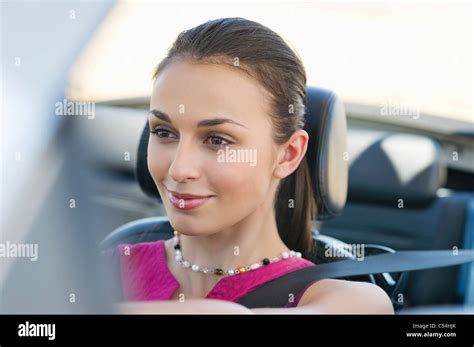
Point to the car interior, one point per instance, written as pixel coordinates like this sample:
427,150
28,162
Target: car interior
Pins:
390,154
384,188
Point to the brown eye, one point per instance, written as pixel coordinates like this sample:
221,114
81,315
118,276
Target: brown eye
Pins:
162,133
218,141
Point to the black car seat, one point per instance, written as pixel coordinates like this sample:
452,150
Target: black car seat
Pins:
395,198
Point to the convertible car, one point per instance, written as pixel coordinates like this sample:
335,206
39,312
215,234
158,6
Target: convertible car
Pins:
395,196
381,187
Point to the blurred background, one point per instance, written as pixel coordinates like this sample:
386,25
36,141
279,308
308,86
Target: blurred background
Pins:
76,80
411,52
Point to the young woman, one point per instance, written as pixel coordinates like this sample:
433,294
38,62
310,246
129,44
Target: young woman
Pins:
227,154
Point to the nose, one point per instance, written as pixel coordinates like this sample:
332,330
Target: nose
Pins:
184,166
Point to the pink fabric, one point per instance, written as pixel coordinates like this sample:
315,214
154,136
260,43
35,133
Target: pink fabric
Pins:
145,275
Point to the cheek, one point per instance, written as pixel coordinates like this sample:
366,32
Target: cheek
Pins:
158,167
237,183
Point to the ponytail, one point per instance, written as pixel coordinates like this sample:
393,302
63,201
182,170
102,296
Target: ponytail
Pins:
295,209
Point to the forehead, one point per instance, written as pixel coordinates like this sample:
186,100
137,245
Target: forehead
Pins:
209,89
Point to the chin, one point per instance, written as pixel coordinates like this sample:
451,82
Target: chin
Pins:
187,225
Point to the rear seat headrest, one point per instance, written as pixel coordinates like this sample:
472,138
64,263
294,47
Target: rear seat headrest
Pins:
385,167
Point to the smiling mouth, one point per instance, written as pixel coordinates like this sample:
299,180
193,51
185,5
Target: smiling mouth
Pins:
187,201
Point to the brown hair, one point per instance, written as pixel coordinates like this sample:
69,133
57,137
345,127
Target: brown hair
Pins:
264,55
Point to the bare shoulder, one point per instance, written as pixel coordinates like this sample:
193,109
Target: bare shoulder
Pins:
340,296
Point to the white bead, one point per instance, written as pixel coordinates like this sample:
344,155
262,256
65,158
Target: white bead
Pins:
285,255
205,270
254,266
298,254
195,268
292,253
178,257
186,264
230,272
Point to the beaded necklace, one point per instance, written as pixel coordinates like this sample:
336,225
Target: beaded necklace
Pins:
230,272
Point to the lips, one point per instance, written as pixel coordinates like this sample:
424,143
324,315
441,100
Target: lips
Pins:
187,201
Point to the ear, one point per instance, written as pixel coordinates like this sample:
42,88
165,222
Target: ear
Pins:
291,153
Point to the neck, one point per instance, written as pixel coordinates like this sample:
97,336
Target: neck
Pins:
246,242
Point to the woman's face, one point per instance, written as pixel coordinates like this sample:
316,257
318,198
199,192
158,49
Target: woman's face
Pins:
212,138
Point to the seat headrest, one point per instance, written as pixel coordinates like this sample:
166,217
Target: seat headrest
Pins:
326,126
386,166
327,129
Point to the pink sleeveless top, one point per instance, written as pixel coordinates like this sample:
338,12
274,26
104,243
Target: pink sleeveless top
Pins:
146,276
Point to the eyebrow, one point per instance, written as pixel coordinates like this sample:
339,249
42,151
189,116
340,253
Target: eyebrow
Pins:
203,123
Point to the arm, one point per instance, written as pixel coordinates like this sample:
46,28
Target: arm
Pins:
324,297
191,306
339,297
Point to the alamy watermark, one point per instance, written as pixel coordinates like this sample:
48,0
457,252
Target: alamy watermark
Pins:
19,250
394,108
71,108
28,329
230,155
343,250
